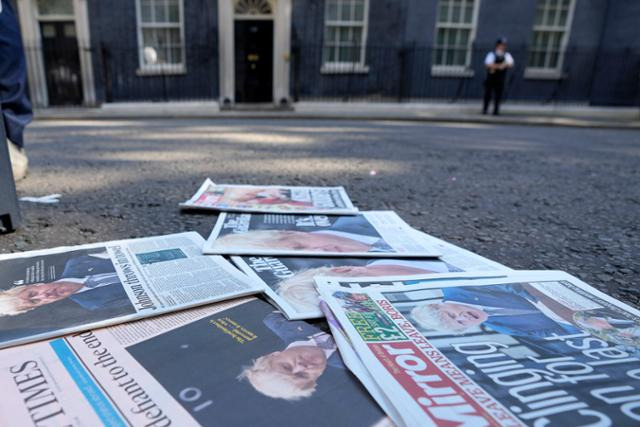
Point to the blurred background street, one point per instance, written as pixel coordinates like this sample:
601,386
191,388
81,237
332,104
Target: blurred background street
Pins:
526,196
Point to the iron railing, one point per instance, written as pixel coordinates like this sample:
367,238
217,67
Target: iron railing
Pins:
408,73
389,73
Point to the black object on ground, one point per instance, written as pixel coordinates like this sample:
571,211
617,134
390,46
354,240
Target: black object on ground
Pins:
9,209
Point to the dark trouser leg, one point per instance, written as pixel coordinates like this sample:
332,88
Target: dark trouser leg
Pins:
487,96
498,88
16,107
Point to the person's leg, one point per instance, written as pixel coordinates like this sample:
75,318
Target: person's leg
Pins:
16,107
487,96
499,87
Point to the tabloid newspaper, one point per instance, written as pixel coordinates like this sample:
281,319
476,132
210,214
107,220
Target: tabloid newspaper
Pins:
235,363
288,281
534,348
355,365
271,199
54,292
368,234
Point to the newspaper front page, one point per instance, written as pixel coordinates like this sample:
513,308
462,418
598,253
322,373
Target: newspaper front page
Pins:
369,234
232,363
534,348
58,291
288,281
271,198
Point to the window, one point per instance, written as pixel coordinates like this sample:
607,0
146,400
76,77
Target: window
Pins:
455,31
62,8
345,35
160,36
252,7
550,33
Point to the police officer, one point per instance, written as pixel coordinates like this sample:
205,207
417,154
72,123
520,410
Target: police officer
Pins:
496,62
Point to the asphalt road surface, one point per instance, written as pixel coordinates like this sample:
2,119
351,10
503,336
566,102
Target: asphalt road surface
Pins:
527,197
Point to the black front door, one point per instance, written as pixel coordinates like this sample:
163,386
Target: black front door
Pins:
254,60
61,62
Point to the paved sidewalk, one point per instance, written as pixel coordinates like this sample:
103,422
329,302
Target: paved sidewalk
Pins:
512,113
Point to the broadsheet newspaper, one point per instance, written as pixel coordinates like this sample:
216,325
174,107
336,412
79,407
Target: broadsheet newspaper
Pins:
271,198
368,234
535,348
54,292
225,364
288,281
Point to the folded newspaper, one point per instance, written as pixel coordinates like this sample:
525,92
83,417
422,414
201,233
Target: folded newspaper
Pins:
53,292
271,198
356,366
367,234
288,281
232,363
534,348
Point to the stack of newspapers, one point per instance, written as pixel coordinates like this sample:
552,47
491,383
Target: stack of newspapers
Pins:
361,320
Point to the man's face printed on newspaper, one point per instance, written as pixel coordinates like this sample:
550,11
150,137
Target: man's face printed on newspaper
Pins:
302,365
253,195
461,316
299,240
376,270
39,294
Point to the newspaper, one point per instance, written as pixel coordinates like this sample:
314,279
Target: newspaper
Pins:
232,363
355,365
53,292
288,281
367,234
271,199
534,348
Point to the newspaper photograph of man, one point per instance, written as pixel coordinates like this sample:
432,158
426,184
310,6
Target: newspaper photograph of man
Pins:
225,197
513,309
271,198
522,310
343,235
370,234
290,279
251,366
49,292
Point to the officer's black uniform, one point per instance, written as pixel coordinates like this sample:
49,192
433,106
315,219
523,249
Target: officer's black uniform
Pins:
494,83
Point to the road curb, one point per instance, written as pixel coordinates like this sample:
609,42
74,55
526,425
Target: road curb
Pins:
505,119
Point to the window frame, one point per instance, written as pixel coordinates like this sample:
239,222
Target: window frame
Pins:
456,70
254,16
344,67
554,73
148,69
54,16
